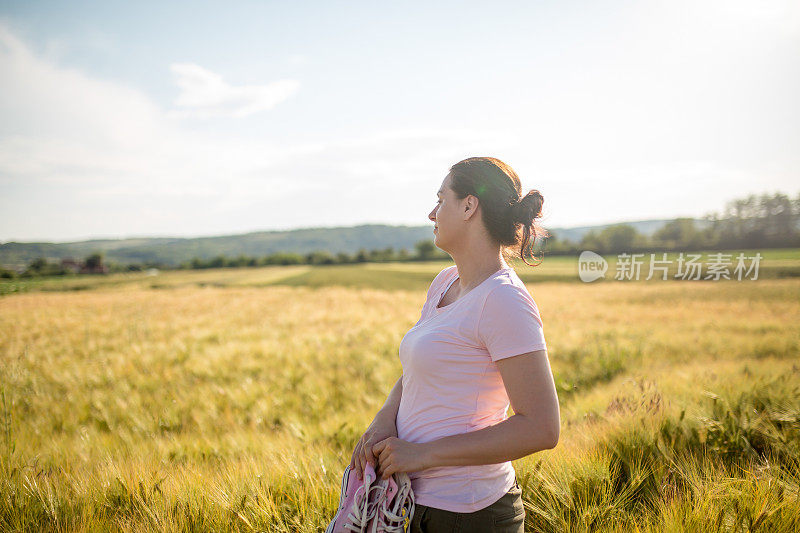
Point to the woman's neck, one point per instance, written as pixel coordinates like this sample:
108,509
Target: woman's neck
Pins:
472,273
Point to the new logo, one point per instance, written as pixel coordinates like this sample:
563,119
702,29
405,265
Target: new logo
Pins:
591,266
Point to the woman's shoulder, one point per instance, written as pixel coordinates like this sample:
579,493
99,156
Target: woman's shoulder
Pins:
508,285
507,303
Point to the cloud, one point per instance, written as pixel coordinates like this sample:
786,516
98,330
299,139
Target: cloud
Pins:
64,127
39,98
205,94
83,156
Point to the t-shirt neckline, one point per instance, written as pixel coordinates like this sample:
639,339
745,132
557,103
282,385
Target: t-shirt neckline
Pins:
438,309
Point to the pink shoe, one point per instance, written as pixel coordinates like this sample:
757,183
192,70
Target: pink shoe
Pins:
394,505
356,502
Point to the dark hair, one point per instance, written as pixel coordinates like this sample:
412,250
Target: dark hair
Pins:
509,217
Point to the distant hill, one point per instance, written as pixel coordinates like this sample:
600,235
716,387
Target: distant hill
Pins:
174,250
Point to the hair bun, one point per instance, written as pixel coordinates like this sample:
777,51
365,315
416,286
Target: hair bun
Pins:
529,207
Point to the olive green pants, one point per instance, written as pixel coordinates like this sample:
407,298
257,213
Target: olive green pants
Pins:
506,515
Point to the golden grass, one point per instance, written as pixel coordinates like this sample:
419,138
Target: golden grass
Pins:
237,407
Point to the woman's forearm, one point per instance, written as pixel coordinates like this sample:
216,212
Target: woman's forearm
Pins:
392,403
513,438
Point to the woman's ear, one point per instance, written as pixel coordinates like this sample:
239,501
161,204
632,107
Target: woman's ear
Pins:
470,206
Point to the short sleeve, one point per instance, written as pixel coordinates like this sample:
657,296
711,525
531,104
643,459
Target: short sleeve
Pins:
509,323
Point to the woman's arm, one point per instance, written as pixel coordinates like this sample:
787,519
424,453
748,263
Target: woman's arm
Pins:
392,403
384,425
535,425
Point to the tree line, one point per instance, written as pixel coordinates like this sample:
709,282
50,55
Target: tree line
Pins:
423,251
95,263
757,221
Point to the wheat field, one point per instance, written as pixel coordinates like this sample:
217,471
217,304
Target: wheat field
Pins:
230,400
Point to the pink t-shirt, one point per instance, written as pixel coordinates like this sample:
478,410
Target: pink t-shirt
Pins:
451,384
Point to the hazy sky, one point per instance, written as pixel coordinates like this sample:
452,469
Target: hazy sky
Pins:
205,118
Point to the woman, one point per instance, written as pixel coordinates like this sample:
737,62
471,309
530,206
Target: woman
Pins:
478,347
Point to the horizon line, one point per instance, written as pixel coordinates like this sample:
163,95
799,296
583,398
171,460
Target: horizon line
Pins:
306,228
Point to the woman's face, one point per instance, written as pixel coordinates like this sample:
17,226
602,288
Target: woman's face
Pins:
445,214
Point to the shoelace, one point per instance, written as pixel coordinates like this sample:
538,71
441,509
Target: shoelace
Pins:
395,522
361,511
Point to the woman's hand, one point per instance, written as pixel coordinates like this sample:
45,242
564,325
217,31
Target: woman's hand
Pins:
396,455
380,429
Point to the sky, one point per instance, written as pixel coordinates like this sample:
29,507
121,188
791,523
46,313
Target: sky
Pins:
133,119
